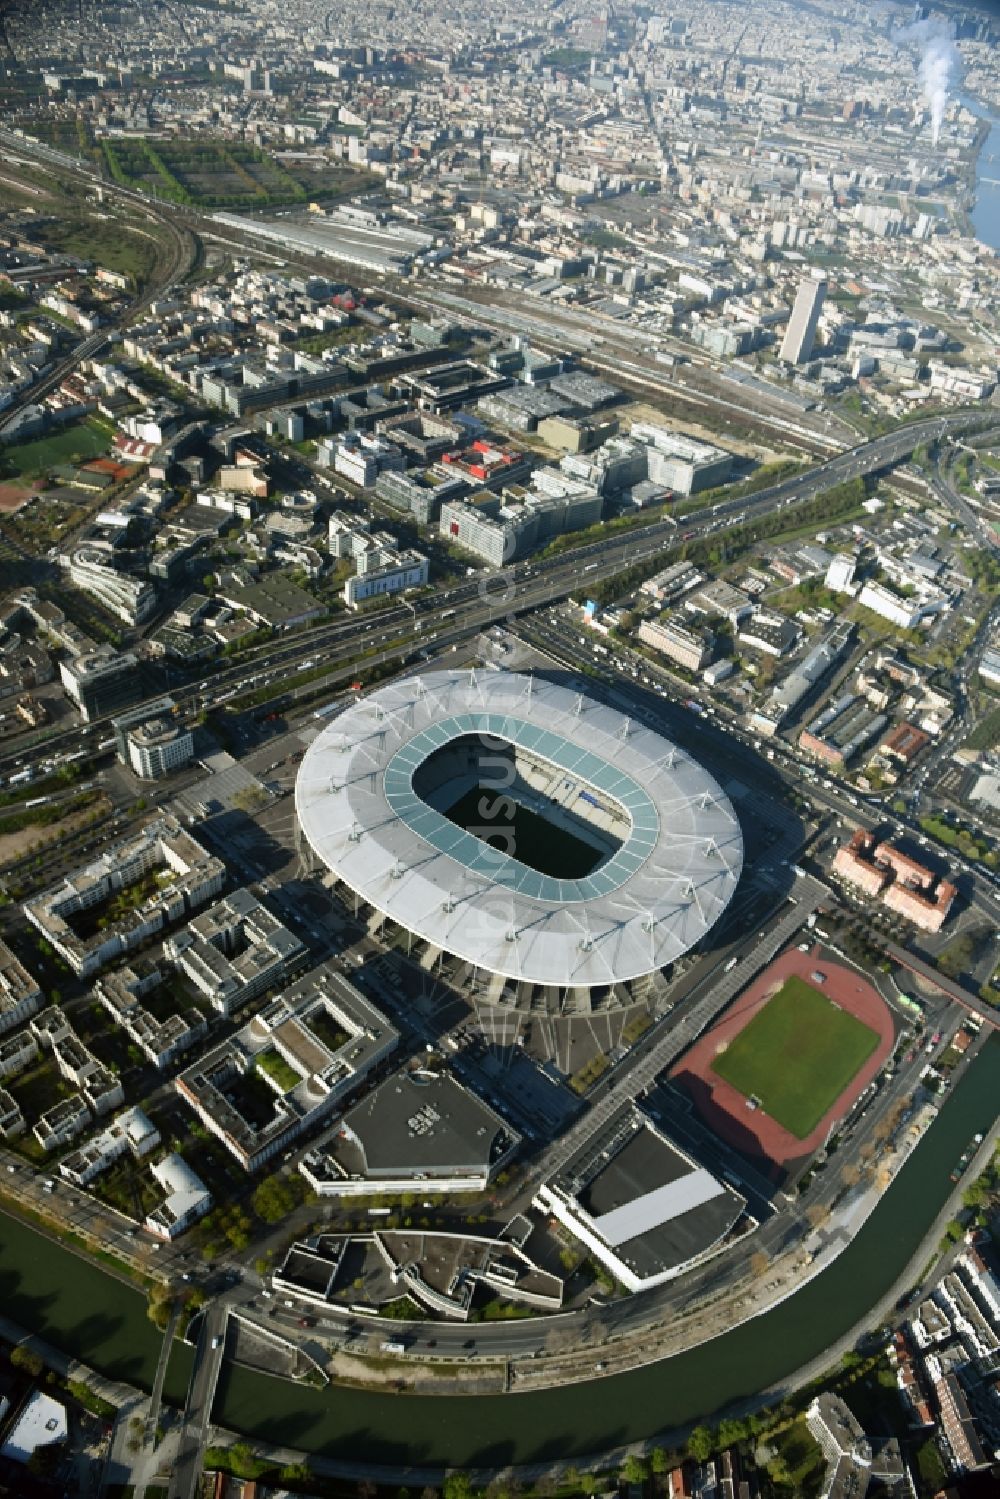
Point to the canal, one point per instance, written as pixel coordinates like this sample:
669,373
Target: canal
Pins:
75,1305
81,1309
985,214
589,1418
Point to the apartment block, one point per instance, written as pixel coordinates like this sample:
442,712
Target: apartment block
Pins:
17,1052
904,885
187,1198
131,1131
161,1039
285,1071
176,876
386,572
20,995
61,1125
12,1121
234,951
689,648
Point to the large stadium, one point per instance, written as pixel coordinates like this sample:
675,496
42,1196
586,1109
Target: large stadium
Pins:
554,847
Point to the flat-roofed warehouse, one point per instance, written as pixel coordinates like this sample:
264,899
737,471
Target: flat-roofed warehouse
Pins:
609,853
645,1208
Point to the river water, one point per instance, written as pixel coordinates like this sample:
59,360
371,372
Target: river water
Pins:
578,1420
82,1309
986,213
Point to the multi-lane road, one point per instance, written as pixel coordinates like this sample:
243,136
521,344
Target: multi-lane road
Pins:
459,609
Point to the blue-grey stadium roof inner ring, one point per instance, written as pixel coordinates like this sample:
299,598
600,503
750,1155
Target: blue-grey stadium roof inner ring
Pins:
503,868
653,899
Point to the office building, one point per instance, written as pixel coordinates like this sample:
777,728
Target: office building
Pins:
101,681
681,463
130,599
800,335
151,742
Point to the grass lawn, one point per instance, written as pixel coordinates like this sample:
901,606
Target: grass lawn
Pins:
797,1055
986,734
77,443
274,1064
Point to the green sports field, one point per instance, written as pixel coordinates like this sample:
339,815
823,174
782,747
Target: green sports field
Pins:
797,1055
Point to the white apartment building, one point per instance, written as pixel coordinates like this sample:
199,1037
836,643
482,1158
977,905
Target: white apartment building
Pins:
191,877
689,648
234,951
385,572
132,1130
20,996
187,1198
906,613
131,599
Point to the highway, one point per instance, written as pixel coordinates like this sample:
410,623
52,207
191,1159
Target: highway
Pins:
487,597
401,633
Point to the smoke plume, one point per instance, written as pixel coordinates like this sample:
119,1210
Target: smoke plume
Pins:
939,63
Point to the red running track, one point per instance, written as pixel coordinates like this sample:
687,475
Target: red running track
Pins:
724,1108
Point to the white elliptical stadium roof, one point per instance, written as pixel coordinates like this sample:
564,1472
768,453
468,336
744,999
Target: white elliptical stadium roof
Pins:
667,884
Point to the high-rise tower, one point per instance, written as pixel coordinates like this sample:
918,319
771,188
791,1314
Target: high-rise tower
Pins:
796,346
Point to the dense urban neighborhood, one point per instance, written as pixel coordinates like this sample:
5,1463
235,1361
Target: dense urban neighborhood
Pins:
499,750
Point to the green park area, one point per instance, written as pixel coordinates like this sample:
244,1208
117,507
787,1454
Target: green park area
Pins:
74,444
205,173
796,1056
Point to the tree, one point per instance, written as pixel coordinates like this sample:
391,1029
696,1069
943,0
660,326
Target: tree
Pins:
26,1359
367,1488
161,1303
243,1461
275,1198
559,1340
759,1262
731,1432
457,1486
635,1469
659,1460
701,1443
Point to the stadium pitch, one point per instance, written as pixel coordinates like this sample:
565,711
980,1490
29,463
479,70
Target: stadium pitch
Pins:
796,1056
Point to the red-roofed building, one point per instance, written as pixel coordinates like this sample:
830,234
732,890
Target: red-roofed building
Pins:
904,885
488,463
905,743
855,864
131,450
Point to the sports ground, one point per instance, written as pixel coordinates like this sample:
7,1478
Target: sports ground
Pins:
796,1056
788,1059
